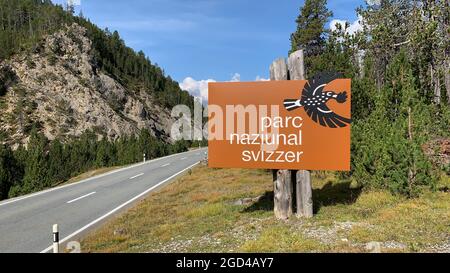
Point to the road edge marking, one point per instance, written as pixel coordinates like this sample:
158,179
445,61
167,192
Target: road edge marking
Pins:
120,207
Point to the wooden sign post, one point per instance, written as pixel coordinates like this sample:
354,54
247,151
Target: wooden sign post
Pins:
288,125
283,191
289,185
296,65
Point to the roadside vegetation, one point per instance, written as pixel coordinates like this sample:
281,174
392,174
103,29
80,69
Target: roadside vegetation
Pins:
214,210
44,164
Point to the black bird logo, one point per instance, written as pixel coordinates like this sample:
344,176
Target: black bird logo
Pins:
314,101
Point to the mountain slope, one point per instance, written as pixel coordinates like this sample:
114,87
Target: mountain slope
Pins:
61,74
58,89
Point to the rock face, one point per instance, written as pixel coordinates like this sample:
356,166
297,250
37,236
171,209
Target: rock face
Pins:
58,88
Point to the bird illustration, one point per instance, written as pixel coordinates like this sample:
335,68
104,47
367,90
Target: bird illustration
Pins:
314,100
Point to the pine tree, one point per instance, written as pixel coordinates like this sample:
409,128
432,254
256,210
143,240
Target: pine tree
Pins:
36,164
57,166
106,154
310,33
147,144
386,146
8,168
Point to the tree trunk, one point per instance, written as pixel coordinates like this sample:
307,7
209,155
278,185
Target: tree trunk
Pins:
301,179
447,79
278,70
291,188
30,27
360,61
435,83
3,20
282,179
296,66
304,194
283,194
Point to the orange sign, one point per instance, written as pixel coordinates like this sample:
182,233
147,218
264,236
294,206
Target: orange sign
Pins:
297,125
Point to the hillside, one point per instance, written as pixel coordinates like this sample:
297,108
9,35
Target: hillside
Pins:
58,89
64,76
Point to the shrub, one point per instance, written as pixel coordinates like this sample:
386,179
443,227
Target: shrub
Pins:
386,146
7,79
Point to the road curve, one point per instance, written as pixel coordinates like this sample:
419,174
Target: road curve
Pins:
26,222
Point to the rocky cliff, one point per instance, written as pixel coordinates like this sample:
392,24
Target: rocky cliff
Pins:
57,88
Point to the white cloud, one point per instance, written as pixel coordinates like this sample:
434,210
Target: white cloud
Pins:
374,2
196,88
74,2
236,77
200,88
259,79
353,28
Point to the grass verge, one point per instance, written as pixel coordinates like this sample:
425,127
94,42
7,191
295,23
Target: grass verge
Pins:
90,174
213,210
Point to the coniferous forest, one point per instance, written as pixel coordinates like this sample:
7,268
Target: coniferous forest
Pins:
23,23
399,64
45,163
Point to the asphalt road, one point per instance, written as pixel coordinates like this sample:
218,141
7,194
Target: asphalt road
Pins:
26,222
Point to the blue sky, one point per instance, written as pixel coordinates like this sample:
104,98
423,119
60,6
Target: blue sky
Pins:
199,40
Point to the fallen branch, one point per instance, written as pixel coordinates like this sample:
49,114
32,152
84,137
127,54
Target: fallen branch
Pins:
402,43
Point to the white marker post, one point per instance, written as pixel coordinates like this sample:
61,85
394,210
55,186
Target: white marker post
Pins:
55,239
144,157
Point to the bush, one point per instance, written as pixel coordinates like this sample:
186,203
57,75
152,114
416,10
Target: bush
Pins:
30,63
8,171
7,79
386,146
384,157
52,59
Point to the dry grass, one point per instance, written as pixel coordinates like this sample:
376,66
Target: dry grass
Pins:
199,213
90,174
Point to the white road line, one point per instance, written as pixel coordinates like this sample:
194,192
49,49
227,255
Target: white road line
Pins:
118,208
13,200
165,165
81,197
136,176
183,158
